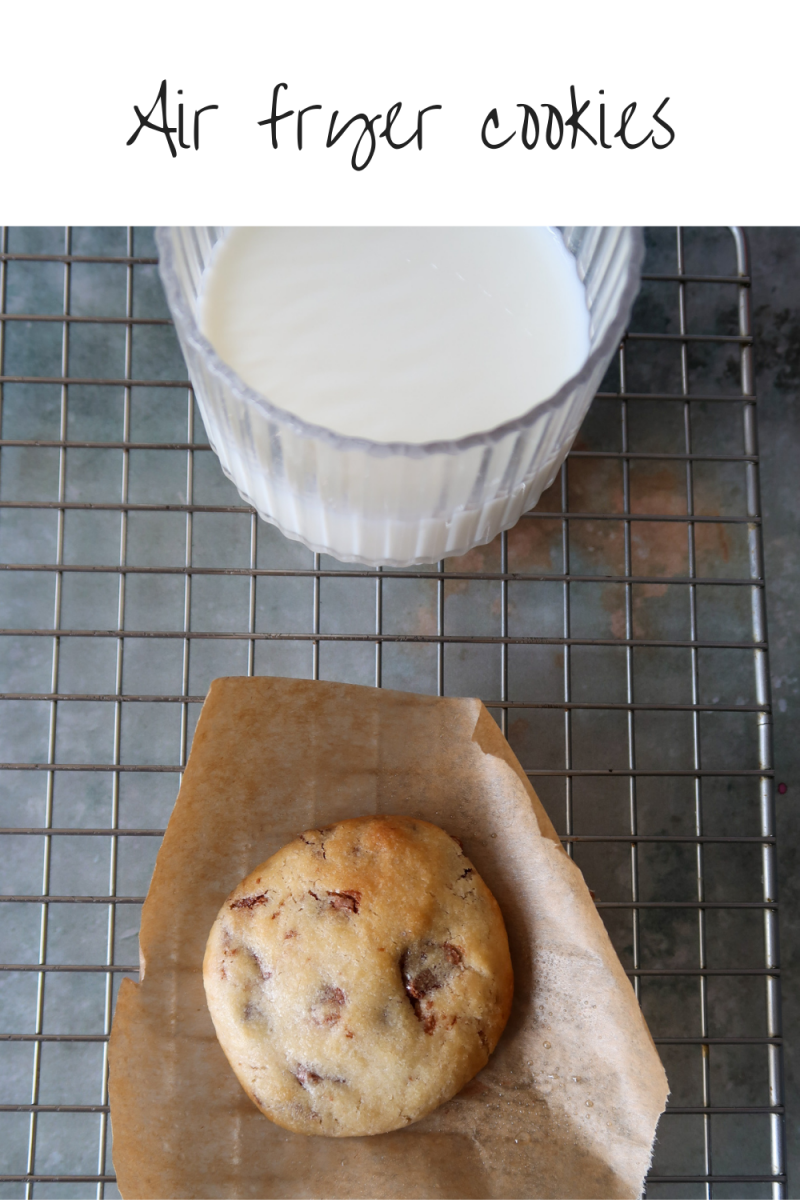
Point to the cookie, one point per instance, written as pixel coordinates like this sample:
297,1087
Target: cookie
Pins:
360,977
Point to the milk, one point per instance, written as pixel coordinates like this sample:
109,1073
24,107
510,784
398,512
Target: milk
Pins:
398,334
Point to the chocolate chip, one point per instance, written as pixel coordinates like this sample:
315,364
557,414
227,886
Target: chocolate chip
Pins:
417,983
425,968
305,1075
325,1009
250,902
345,901
423,983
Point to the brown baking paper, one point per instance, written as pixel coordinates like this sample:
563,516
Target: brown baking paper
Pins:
568,1103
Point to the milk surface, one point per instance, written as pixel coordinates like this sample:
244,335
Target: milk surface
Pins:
398,334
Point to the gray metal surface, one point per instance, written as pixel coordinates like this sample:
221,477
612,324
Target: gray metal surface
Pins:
617,634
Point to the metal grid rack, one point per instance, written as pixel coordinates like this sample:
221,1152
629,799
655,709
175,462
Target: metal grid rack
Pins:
617,634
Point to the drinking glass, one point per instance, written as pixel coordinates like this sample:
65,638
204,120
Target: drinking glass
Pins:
395,503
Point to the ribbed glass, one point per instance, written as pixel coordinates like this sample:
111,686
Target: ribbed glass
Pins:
394,503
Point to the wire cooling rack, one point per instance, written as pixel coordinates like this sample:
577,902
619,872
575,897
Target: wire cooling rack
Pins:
617,634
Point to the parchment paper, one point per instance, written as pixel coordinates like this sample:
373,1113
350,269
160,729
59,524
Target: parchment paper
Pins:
567,1105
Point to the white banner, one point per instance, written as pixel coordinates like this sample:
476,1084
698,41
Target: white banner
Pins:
435,112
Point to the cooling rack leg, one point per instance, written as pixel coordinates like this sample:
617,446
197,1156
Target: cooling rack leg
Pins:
762,689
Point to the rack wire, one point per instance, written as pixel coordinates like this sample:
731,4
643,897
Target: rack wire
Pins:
617,634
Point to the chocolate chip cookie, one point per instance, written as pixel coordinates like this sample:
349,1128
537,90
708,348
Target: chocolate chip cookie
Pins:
360,977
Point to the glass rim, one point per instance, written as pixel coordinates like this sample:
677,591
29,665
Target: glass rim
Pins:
350,442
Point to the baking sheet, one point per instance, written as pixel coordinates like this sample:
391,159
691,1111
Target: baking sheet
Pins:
568,1104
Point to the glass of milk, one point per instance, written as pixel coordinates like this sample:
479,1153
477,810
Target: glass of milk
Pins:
396,395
